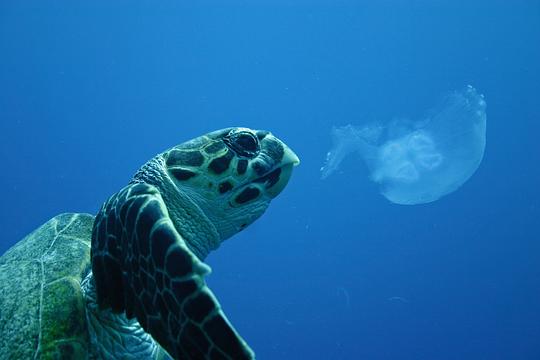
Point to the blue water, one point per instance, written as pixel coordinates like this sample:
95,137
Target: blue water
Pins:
332,270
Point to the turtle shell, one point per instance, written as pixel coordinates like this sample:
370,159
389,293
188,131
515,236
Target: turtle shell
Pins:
42,309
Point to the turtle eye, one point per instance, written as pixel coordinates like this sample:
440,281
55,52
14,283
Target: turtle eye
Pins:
243,143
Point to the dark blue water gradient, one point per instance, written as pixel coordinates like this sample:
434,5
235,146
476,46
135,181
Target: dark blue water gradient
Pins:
333,271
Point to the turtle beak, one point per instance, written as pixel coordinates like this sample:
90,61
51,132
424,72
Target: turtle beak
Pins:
283,170
290,157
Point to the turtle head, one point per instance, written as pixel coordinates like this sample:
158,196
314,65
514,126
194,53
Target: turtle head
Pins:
231,175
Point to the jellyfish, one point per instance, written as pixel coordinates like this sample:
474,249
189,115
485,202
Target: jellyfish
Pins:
416,162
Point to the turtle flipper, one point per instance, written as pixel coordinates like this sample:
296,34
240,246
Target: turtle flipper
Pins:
142,266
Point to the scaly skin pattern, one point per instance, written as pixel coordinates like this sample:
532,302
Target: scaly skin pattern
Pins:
149,239
155,277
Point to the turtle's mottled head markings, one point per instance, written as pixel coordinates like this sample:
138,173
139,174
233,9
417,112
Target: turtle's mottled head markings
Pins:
149,239
231,174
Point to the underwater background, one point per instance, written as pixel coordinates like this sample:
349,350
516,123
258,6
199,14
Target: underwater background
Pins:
90,91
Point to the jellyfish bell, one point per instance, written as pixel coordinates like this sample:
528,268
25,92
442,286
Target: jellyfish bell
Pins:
419,162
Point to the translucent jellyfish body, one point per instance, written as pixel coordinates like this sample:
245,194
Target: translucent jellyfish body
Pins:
419,162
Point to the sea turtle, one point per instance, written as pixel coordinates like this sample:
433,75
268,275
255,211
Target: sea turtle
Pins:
84,287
